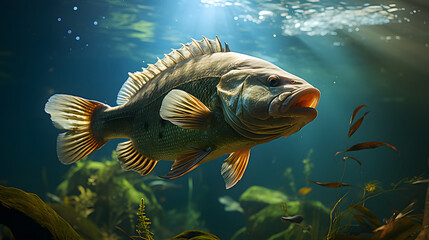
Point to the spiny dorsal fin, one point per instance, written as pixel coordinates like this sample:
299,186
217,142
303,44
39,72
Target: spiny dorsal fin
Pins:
195,48
234,166
132,160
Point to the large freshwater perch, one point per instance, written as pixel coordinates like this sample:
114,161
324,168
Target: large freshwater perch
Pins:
196,104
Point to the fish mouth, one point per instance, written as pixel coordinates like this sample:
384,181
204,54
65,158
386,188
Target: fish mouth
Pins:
301,103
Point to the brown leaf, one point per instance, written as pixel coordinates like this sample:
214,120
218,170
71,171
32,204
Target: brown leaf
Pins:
331,184
356,125
368,145
336,154
367,214
345,158
355,112
360,220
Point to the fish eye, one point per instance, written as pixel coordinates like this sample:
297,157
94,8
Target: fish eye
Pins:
273,81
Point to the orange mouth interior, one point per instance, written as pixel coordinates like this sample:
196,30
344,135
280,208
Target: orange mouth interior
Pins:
309,100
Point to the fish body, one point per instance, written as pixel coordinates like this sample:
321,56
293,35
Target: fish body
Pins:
304,190
160,185
198,103
293,219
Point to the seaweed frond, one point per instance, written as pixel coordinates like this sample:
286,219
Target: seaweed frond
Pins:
84,203
143,226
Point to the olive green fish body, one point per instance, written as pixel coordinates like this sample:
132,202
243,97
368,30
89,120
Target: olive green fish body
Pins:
198,103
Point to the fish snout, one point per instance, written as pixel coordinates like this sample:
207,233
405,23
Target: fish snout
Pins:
300,103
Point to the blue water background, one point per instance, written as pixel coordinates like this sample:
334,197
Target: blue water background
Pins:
384,66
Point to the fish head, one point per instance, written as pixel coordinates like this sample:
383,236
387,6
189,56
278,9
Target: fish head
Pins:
261,97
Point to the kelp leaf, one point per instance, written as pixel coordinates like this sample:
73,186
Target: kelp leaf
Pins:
360,220
421,181
336,154
123,231
331,184
355,112
345,158
407,210
356,125
368,145
367,214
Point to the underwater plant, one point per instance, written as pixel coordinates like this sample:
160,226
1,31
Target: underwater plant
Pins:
115,194
142,228
84,203
400,226
143,225
291,179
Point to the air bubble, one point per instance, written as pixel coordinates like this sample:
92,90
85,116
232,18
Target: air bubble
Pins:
59,19
77,38
95,23
75,8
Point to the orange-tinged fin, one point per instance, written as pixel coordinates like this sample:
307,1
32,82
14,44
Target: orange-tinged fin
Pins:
187,162
184,110
74,114
132,160
234,166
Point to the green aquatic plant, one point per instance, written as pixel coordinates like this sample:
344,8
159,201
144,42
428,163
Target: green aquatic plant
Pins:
143,226
308,164
117,193
84,203
291,179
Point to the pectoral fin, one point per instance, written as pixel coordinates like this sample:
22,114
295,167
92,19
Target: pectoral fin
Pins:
234,166
184,110
187,162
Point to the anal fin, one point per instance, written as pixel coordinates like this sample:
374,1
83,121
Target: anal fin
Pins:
184,110
132,160
234,166
187,162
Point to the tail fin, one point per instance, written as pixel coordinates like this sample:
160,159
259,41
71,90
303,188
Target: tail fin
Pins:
74,114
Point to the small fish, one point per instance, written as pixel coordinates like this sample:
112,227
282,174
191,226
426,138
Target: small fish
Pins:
293,219
304,190
53,197
230,204
331,184
160,185
198,103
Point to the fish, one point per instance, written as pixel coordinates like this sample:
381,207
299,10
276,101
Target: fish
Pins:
160,185
304,190
230,205
53,197
293,219
198,103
